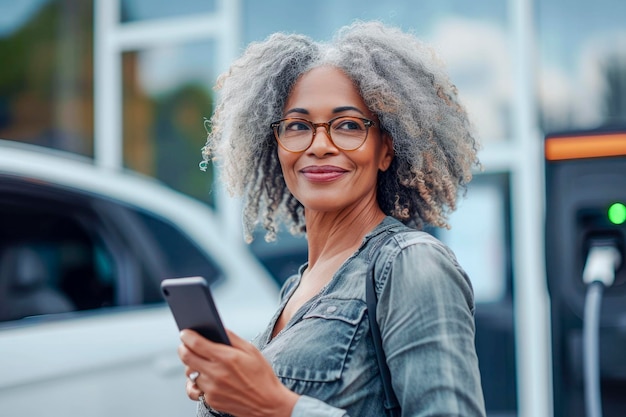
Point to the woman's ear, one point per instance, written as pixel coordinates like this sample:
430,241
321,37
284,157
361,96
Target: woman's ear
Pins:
386,152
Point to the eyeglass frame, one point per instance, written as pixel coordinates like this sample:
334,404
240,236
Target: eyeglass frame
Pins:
368,123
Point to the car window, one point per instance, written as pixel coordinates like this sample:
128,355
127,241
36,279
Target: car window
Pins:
65,250
49,261
181,254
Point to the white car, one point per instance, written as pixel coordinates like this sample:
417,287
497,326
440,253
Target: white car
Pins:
84,330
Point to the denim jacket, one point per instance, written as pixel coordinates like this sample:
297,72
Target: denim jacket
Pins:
425,312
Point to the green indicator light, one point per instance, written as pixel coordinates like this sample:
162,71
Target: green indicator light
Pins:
617,213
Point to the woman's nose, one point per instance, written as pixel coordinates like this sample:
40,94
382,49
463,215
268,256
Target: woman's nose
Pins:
322,142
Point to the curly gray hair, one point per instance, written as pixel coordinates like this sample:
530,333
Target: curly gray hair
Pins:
401,81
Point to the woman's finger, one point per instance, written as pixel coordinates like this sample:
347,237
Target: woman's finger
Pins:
193,391
207,369
193,361
200,345
239,343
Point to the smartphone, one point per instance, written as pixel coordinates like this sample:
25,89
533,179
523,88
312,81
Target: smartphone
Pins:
192,306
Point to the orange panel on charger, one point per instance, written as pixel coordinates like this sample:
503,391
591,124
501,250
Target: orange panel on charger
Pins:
596,145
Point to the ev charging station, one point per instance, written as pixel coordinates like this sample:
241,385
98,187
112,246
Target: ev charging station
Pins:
585,256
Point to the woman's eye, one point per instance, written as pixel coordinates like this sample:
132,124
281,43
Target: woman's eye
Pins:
348,125
293,126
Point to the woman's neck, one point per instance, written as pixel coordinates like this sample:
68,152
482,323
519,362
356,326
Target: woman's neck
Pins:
329,234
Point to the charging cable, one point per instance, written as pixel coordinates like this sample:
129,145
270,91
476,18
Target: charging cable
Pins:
602,262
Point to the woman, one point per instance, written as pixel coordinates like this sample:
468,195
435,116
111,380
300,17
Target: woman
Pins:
350,142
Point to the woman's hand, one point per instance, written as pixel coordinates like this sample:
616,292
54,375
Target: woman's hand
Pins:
234,379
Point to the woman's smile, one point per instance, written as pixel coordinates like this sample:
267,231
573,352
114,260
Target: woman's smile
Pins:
323,173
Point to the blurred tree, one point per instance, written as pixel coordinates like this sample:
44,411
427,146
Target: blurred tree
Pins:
46,93
179,135
138,115
614,71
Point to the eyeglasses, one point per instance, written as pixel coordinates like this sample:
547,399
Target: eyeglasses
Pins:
346,132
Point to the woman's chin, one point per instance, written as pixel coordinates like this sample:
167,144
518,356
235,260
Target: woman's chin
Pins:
322,204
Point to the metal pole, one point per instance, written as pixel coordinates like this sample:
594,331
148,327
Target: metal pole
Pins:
532,322
107,86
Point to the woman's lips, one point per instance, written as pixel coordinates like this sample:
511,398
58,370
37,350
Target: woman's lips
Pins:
322,173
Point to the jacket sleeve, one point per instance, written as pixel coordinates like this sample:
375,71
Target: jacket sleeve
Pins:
305,407
426,316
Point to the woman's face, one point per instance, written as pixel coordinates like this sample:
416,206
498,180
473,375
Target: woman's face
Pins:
324,177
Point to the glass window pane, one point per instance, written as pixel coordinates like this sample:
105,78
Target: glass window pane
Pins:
479,236
167,96
46,86
472,37
582,71
132,10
